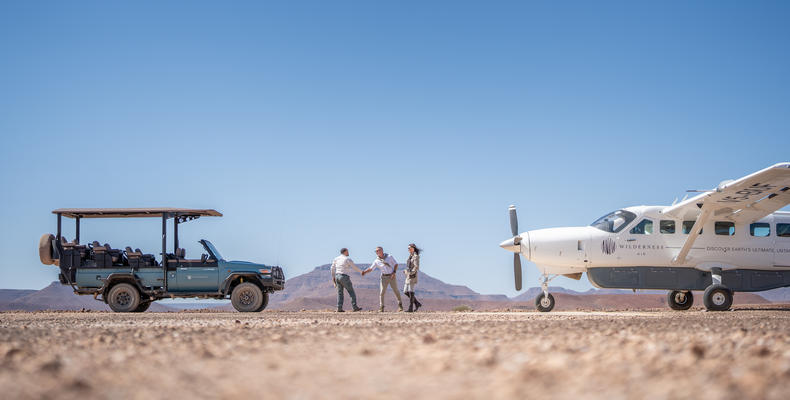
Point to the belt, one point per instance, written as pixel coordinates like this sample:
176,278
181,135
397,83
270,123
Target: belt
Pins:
388,274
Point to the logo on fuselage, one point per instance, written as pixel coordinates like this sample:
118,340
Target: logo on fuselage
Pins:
608,246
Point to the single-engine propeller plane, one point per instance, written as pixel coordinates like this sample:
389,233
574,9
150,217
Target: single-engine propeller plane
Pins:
725,240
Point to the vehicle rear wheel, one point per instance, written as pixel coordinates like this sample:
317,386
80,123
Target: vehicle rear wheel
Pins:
246,297
123,297
264,303
45,249
717,298
544,303
143,306
680,300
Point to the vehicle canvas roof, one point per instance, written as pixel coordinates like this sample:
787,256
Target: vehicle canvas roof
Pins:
135,212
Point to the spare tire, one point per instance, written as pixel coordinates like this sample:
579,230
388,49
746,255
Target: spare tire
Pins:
45,248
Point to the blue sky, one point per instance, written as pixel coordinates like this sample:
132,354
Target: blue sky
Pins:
319,125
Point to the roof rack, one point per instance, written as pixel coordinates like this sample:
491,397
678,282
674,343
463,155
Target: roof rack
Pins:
166,212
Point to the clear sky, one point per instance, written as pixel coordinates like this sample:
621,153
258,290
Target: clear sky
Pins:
319,125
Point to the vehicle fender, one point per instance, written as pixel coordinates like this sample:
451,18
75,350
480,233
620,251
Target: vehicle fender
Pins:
122,277
250,276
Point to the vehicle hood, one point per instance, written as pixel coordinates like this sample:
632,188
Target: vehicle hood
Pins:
242,264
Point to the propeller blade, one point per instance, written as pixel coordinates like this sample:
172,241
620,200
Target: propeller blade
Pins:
517,269
513,220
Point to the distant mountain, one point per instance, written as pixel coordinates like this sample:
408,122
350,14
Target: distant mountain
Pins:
780,295
56,297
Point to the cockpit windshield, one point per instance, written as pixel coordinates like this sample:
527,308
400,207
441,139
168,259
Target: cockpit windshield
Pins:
211,249
615,221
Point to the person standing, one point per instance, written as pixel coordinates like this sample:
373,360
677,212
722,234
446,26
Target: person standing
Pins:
388,267
412,268
341,266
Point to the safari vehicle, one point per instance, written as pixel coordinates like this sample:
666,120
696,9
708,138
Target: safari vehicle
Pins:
130,280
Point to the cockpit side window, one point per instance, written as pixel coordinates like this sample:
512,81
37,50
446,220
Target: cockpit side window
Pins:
615,221
666,226
644,227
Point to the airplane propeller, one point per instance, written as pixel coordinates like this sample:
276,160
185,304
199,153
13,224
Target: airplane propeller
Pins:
516,241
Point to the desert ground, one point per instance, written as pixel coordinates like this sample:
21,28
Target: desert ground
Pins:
304,355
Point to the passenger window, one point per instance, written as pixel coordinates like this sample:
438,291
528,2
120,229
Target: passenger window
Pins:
666,226
783,230
687,225
724,228
760,229
645,227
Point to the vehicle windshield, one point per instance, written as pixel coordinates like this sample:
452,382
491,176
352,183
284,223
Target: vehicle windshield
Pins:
615,221
213,250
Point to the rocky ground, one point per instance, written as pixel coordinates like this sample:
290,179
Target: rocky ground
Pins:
305,355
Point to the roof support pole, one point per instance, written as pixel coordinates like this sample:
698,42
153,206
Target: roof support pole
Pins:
164,249
59,222
175,232
77,233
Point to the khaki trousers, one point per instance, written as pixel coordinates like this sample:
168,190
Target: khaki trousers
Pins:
390,281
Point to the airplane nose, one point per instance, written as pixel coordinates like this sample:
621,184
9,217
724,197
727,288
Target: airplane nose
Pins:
510,245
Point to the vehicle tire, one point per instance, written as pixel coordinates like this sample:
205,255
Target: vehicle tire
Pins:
246,297
264,303
544,303
123,297
717,298
680,299
45,248
143,306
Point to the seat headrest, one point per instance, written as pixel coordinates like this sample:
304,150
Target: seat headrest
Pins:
63,240
181,253
128,249
95,244
138,250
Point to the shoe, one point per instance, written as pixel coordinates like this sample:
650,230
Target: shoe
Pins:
417,306
411,309
340,311
400,307
357,309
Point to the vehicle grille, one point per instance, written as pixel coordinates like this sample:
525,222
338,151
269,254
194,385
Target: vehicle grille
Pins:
277,273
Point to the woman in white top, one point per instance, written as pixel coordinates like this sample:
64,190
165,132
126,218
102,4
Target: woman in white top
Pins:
412,268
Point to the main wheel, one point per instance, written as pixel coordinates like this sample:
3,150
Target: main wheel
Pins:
123,297
143,306
264,303
246,297
717,298
680,299
544,303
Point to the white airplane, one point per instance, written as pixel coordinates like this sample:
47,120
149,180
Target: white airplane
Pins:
729,239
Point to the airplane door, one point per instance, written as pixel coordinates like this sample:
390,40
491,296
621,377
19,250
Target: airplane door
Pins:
782,244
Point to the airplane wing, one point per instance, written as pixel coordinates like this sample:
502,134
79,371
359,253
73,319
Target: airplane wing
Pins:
743,200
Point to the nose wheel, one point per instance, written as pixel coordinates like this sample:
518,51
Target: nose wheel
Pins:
545,301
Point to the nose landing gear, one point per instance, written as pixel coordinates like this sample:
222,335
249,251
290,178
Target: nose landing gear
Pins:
545,301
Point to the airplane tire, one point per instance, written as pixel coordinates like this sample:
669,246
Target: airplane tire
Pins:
246,297
123,297
717,298
544,303
680,300
45,249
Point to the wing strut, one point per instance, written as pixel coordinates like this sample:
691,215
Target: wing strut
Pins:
695,231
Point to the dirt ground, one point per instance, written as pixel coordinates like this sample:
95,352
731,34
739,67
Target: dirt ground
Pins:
306,355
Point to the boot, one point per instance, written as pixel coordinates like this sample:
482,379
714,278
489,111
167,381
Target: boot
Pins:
417,304
411,302
400,307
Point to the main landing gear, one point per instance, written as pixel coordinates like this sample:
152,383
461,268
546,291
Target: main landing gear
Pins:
716,297
545,301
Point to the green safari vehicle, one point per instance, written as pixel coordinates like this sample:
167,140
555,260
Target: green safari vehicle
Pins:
129,279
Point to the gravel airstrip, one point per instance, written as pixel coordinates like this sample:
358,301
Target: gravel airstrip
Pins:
305,355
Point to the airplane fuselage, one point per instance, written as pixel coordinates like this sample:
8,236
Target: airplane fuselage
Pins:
638,249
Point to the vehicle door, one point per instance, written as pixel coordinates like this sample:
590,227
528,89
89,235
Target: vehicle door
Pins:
197,275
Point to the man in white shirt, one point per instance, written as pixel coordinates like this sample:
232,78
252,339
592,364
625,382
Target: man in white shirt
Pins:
388,266
341,266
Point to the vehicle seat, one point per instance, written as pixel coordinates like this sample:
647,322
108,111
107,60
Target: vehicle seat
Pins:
115,253
148,259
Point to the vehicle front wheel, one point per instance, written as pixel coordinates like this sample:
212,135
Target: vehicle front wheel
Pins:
264,303
680,300
717,298
544,303
247,297
123,297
